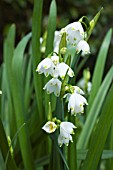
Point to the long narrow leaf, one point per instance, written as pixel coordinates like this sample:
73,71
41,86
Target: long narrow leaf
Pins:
36,54
8,56
18,94
94,111
99,68
100,134
106,154
50,39
51,28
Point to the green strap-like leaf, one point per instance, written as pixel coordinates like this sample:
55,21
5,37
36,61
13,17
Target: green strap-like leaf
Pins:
36,54
49,42
99,68
51,28
7,87
106,154
19,108
94,111
100,134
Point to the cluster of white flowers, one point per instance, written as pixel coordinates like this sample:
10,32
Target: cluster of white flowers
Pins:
57,69
52,66
75,37
66,130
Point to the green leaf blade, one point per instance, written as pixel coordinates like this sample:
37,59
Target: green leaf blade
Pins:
94,111
99,68
100,134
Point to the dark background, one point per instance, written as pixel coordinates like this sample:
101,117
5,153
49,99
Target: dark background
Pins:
20,13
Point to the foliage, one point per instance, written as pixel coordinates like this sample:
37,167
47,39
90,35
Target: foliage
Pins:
24,106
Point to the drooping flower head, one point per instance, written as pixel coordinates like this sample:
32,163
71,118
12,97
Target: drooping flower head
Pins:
75,100
66,130
84,47
55,59
62,67
53,86
77,89
45,66
74,33
76,103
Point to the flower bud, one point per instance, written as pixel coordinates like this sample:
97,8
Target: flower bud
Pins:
63,50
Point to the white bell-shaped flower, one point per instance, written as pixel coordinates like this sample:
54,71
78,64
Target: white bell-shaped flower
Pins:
77,90
84,47
77,26
66,129
76,103
62,67
45,66
49,127
55,72
55,59
0,92
53,86
74,33
62,140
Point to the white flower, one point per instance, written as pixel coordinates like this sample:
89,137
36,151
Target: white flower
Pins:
0,92
53,86
78,90
84,47
55,72
74,33
77,26
45,66
55,59
49,127
66,129
62,67
62,140
76,103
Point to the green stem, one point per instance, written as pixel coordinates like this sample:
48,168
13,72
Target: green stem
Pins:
72,149
57,163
